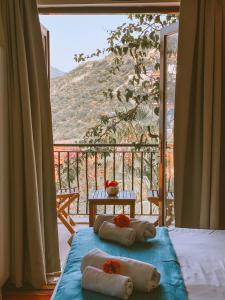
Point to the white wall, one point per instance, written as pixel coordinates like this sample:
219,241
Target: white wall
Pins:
4,199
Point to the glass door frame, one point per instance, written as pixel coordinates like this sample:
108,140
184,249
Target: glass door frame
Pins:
165,32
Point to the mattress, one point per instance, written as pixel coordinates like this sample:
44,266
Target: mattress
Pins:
201,254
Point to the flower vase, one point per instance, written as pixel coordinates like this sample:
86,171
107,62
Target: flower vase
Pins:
112,191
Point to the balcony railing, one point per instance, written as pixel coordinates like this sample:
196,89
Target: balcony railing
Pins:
88,166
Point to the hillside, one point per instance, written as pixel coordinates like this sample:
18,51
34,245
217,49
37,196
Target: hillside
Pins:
77,97
54,72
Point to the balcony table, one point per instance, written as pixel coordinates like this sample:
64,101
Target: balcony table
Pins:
64,199
100,197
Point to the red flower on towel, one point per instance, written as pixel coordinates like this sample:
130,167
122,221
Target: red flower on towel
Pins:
111,183
111,266
121,220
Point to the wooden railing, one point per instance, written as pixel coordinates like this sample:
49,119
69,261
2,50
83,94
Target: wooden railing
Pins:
88,166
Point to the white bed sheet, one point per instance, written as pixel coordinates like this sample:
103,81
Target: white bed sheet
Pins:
201,254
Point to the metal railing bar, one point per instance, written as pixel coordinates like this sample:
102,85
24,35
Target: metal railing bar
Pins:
114,165
123,176
96,171
132,171
106,145
59,171
86,159
68,176
98,151
141,186
78,182
105,167
151,178
68,168
114,174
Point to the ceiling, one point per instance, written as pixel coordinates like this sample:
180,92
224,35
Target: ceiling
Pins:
107,6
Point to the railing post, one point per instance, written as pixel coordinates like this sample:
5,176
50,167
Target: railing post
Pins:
123,176
68,168
59,170
105,170
132,171
68,175
114,164
141,187
96,171
114,173
87,191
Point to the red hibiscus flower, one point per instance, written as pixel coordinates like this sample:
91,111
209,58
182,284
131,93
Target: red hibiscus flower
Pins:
121,220
111,183
111,266
107,183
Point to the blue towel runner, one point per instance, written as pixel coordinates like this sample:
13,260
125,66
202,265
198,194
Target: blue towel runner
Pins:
158,251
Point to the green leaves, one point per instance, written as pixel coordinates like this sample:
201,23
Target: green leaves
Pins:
79,57
136,42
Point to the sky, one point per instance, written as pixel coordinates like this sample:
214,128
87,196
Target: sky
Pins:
77,34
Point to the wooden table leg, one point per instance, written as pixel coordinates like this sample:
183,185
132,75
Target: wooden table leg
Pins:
94,213
132,210
91,214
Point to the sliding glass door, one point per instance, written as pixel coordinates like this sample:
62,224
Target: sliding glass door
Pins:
168,64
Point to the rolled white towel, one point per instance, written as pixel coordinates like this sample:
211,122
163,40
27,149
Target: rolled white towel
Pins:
144,229
122,235
116,285
100,219
145,277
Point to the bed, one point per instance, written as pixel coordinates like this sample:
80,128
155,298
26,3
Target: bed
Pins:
200,254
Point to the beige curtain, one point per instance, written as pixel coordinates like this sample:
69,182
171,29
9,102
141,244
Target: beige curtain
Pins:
2,42
33,236
4,191
200,116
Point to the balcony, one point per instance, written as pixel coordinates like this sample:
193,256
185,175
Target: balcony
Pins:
89,166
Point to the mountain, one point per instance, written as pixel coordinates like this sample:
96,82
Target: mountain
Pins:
77,97
56,72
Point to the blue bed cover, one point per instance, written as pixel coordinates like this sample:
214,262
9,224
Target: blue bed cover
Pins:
158,251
